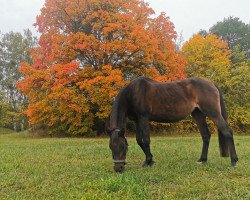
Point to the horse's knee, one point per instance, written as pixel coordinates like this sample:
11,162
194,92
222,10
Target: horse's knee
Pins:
206,138
146,141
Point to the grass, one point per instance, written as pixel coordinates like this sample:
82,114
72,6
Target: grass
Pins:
74,168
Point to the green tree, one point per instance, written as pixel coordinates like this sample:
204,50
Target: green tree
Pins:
203,32
239,57
14,48
234,31
238,97
4,108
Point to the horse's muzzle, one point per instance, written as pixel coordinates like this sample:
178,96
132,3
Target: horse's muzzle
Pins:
119,167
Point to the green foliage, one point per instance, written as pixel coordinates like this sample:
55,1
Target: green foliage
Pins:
5,118
203,32
14,48
239,57
54,168
234,31
238,97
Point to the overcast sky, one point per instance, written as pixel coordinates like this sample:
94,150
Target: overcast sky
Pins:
189,16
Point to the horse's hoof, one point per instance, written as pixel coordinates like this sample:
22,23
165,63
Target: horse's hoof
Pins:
201,162
233,165
148,163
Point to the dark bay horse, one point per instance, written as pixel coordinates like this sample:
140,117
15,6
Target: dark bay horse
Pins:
144,100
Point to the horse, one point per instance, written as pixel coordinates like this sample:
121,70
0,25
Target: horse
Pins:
144,100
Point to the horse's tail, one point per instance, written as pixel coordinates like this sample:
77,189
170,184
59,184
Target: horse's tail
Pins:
224,149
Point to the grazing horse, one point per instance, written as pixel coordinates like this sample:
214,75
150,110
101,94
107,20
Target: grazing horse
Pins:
144,100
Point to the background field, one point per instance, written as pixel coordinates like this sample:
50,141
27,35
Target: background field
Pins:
77,168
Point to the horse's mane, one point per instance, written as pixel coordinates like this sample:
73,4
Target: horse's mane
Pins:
117,107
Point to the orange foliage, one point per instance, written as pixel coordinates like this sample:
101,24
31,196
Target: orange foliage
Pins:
87,51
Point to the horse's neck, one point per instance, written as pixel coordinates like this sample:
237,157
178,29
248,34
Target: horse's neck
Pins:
118,116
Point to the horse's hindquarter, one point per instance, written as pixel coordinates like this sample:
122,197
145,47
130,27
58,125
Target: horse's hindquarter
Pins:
207,96
172,102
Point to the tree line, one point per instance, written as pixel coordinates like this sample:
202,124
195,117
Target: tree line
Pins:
64,82
14,49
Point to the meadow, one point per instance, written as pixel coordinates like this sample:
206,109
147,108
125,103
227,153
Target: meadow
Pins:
82,168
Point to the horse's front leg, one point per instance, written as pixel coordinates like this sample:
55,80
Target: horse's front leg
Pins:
200,119
143,139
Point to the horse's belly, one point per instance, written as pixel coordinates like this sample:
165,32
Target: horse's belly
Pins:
167,118
171,115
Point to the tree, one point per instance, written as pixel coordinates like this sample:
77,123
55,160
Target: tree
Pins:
88,51
203,32
14,48
234,31
238,96
4,110
239,57
207,57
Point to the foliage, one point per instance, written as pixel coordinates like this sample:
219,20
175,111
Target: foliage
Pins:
207,57
4,109
75,168
88,51
238,96
14,48
234,31
239,57
203,32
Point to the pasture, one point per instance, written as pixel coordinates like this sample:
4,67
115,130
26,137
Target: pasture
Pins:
80,168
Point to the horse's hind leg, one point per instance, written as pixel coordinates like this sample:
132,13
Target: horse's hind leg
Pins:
200,119
228,134
143,139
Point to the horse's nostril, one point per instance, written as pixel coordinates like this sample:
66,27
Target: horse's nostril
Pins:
119,169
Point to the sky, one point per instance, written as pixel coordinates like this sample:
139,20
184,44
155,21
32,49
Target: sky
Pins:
188,16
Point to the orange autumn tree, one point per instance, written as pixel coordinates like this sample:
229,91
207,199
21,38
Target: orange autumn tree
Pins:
88,50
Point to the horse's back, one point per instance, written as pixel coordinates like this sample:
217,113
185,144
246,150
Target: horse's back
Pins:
160,101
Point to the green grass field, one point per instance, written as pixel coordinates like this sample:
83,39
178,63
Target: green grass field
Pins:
74,168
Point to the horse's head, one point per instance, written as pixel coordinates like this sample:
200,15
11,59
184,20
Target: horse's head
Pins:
119,147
